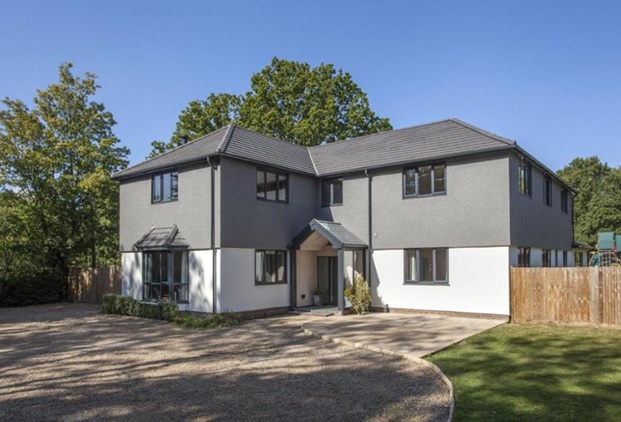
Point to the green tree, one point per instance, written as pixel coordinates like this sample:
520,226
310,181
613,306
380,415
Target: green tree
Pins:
597,204
56,161
288,100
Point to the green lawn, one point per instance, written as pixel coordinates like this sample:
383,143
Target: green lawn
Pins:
536,373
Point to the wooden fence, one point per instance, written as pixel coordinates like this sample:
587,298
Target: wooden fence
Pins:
91,284
566,295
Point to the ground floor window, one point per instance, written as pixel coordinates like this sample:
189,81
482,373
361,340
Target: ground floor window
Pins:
564,258
523,256
546,258
270,267
166,276
578,259
426,265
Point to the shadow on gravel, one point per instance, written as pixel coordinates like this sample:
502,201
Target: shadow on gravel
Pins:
87,366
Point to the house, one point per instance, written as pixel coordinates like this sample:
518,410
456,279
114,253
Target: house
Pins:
433,216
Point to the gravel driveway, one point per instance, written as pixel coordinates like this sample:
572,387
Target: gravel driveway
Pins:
68,362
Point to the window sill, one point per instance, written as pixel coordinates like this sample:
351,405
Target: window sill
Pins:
164,202
430,195
269,283
272,201
526,195
426,283
332,205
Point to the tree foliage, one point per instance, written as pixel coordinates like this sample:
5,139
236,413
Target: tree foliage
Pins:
288,100
597,204
55,166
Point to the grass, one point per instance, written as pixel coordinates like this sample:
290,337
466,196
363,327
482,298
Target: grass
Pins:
536,373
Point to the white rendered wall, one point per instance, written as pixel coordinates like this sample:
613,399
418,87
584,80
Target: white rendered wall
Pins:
478,282
201,283
237,291
131,275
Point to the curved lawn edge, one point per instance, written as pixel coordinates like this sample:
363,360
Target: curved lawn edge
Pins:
407,356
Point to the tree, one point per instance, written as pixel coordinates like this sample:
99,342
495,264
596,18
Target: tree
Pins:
56,161
288,100
597,204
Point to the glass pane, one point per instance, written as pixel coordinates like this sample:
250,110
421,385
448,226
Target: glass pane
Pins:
337,191
180,267
157,188
280,266
282,188
259,267
260,184
164,266
181,293
174,185
166,187
424,180
165,292
438,178
325,193
270,266
409,182
270,186
410,265
426,264
155,267
441,265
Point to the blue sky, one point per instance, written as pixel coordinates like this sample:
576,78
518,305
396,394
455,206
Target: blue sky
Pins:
545,73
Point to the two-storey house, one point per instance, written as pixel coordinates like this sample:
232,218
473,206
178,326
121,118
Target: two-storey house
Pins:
433,216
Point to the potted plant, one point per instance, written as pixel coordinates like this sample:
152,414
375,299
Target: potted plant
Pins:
318,296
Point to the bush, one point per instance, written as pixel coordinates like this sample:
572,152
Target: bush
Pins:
211,321
34,287
359,295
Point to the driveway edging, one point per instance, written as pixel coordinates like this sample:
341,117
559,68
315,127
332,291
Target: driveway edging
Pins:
376,349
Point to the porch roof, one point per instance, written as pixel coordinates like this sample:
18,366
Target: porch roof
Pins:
338,236
159,238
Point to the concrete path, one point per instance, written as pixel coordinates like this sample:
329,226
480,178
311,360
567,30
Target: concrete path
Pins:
415,335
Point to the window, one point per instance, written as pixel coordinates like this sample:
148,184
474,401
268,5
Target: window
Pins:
578,259
272,186
270,267
331,192
523,257
424,180
166,276
564,258
564,201
547,190
525,176
426,265
546,257
165,187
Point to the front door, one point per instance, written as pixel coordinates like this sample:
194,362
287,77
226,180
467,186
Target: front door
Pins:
327,280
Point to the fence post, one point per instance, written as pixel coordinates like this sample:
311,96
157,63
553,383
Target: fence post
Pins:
595,297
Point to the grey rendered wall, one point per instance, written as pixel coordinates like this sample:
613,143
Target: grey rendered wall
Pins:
353,213
533,223
473,212
247,222
191,213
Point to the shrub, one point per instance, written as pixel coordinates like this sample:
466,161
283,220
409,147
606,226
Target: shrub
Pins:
211,321
359,295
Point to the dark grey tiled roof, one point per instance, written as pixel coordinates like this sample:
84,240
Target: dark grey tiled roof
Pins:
338,236
414,144
258,148
162,238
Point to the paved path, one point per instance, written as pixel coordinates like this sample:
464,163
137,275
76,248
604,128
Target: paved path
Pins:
415,335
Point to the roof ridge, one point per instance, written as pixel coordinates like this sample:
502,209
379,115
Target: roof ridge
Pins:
178,147
226,138
483,131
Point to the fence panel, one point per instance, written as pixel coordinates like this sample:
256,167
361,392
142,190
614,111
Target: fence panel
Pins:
89,285
567,295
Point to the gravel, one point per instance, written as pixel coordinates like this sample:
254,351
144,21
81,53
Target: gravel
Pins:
68,362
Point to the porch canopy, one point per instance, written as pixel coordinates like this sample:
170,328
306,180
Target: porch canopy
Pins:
161,238
319,234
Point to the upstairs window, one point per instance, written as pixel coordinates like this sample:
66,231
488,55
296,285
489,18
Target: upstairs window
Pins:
424,180
331,192
165,187
272,186
525,178
523,257
270,267
426,265
547,190
564,201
